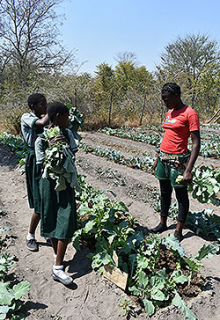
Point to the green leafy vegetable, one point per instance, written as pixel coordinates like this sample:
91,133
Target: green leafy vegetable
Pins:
55,131
179,179
59,163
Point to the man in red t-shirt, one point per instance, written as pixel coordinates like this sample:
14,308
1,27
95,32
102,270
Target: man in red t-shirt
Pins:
174,159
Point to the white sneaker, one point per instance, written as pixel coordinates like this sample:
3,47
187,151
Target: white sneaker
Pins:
60,275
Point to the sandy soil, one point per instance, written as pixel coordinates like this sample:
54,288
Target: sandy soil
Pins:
92,297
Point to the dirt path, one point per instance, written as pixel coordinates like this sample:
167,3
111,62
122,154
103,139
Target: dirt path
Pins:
91,297
49,299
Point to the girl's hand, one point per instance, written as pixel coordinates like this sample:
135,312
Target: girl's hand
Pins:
187,176
56,139
155,163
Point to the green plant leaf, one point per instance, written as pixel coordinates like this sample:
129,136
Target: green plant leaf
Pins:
143,278
208,251
172,243
157,282
89,226
84,209
76,239
6,298
3,312
3,287
142,262
132,262
101,258
158,295
179,303
178,277
149,307
193,266
21,289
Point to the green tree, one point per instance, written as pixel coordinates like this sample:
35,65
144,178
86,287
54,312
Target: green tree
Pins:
188,59
29,42
30,53
133,83
102,85
105,76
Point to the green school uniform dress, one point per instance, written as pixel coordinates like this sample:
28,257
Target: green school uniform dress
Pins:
58,208
32,170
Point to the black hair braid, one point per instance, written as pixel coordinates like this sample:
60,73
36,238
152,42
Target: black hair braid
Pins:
171,88
56,107
34,99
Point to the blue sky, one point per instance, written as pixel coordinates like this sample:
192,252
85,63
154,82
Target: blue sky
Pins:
100,29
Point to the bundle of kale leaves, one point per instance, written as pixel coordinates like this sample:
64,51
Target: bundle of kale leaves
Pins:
59,162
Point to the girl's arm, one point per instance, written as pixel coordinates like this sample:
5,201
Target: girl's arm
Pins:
42,122
195,136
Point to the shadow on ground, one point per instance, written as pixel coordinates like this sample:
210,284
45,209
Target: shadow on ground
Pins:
80,265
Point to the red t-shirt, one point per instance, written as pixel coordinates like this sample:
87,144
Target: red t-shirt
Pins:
178,125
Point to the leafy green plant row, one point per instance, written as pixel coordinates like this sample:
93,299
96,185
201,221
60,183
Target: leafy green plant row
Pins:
209,148
205,222
206,185
143,128
145,164
16,143
206,181
10,293
206,188
151,137
157,268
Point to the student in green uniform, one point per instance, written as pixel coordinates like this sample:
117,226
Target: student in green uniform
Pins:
58,213
32,124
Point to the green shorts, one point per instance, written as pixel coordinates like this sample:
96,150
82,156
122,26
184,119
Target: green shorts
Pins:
165,172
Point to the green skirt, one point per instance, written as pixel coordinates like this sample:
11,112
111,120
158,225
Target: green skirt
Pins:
33,175
58,211
170,166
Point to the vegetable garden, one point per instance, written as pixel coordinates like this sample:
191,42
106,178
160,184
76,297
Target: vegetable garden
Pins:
160,272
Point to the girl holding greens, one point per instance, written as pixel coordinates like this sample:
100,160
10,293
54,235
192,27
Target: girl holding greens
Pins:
58,208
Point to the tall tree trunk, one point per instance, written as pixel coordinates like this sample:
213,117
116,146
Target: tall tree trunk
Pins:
110,109
75,99
214,116
142,112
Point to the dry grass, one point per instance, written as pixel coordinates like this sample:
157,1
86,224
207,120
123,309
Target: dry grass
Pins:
10,120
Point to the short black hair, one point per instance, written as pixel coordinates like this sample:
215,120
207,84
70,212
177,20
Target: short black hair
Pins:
55,108
34,99
171,88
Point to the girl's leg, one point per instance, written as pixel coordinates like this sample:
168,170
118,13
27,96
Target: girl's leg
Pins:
61,249
183,208
30,240
165,192
54,243
34,222
58,273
